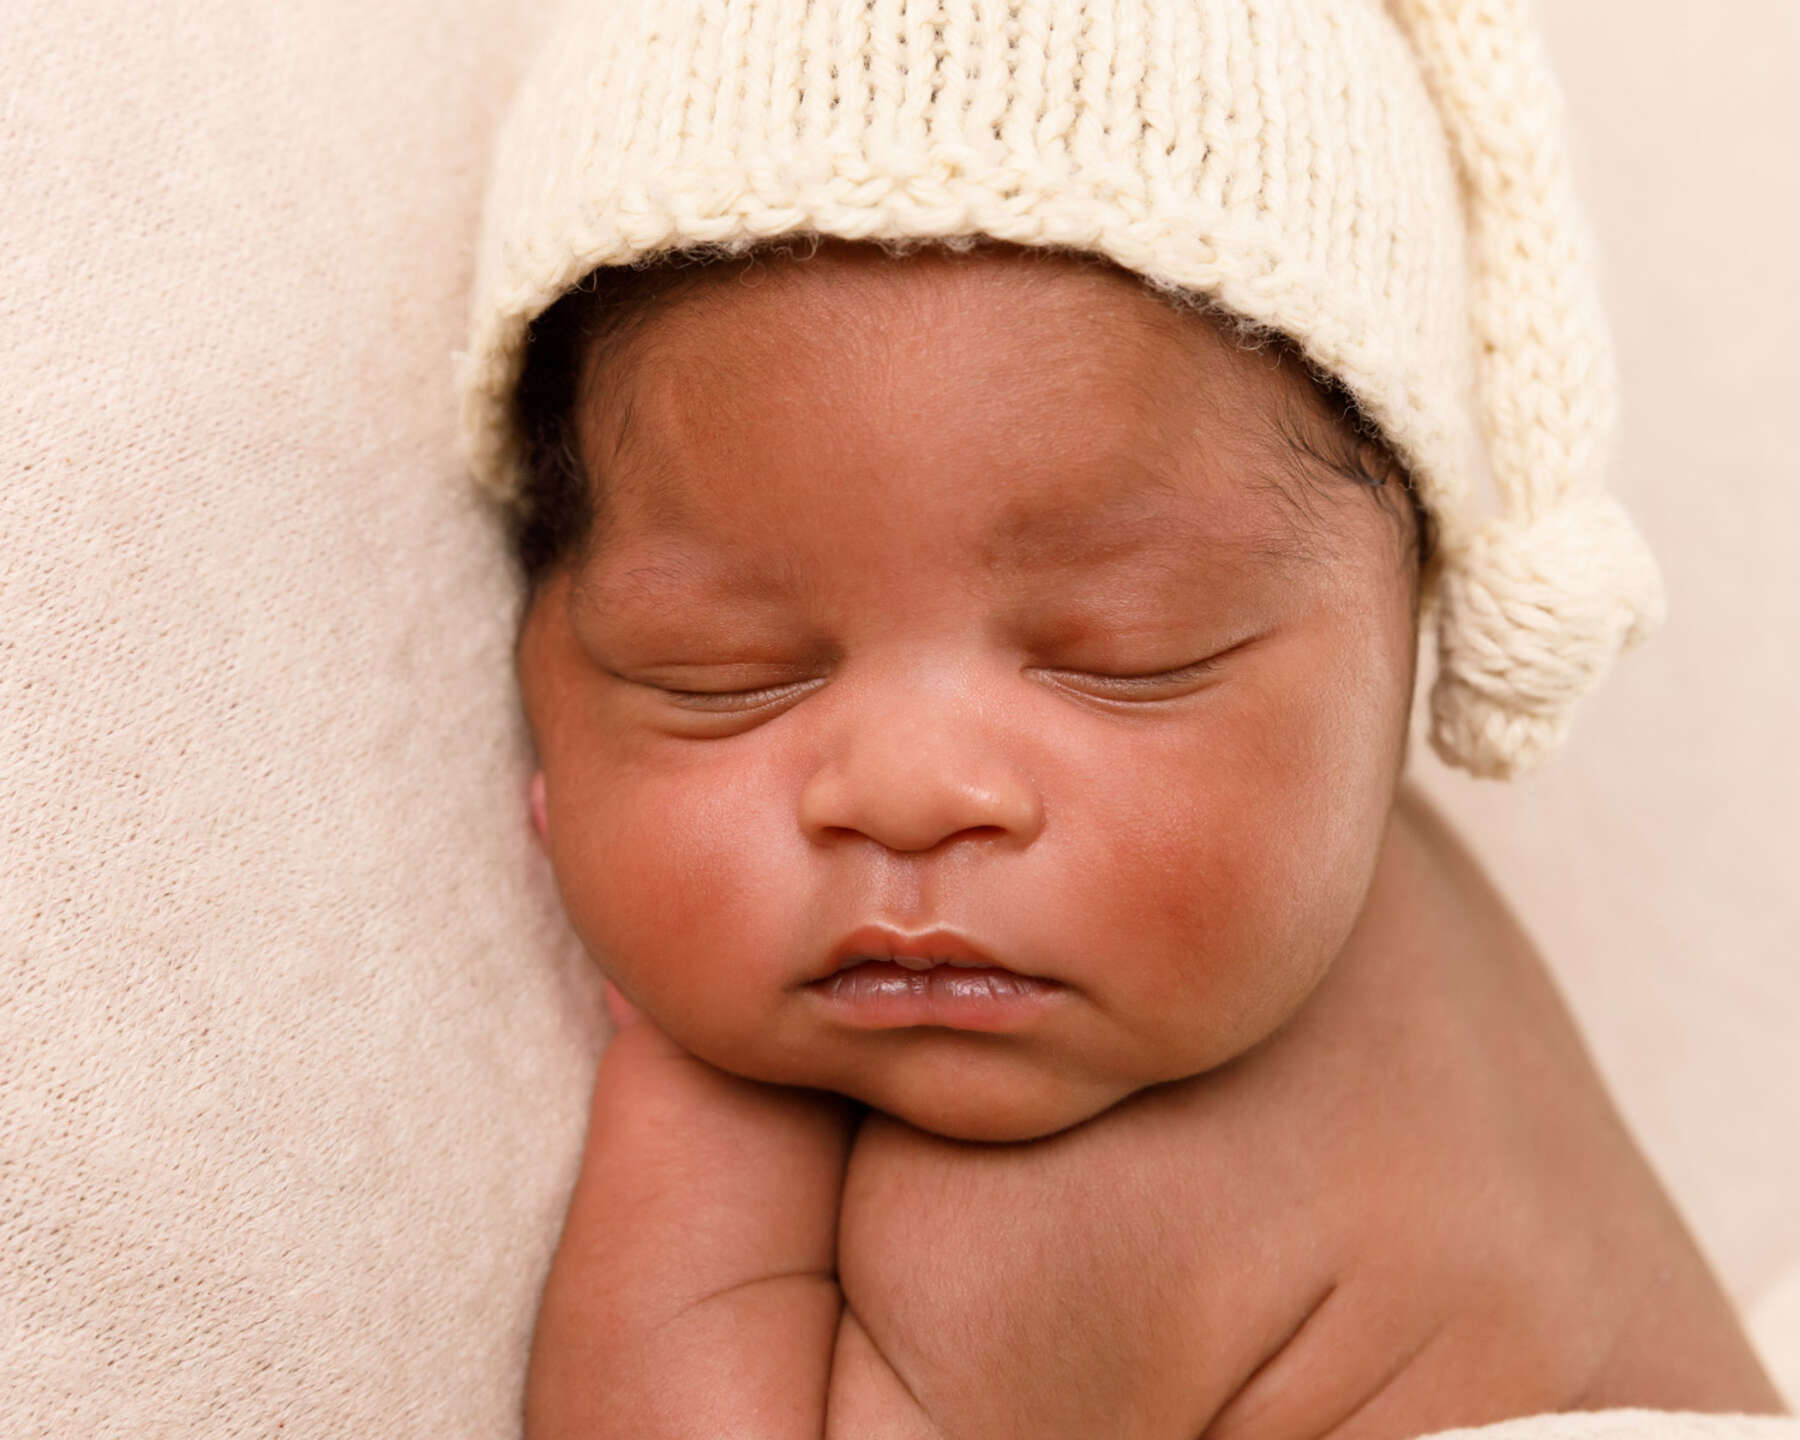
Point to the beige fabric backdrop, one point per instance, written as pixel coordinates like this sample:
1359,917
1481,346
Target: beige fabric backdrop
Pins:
292,1042
1656,859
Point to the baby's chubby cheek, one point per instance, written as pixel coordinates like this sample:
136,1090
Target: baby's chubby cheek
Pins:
679,887
1220,898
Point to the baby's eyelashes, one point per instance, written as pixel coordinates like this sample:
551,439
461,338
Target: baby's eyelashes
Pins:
1138,686
737,699
726,694
1155,685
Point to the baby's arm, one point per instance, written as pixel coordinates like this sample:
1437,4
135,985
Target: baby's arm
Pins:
694,1290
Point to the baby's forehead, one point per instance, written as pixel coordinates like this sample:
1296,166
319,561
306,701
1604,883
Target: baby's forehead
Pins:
743,426
1011,376
1032,311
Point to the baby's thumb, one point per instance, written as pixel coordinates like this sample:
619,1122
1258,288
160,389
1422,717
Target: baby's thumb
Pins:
620,1010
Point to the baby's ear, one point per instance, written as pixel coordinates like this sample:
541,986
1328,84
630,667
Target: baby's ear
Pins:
540,815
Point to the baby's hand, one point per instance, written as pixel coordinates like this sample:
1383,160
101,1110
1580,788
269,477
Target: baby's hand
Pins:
693,1292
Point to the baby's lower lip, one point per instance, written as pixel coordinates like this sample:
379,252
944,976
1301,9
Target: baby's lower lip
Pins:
881,995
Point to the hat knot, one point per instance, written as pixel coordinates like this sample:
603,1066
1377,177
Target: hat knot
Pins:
1533,614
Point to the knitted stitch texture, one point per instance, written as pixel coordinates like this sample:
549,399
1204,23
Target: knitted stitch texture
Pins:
1386,185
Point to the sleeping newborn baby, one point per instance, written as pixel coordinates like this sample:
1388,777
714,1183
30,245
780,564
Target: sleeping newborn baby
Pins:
972,695
970,662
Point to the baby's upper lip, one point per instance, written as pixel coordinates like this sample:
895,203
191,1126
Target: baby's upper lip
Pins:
917,950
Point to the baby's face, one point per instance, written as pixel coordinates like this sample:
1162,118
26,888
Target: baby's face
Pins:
977,595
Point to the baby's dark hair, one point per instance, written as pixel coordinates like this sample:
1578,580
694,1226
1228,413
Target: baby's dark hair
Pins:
554,516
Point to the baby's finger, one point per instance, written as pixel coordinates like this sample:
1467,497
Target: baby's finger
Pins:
620,1010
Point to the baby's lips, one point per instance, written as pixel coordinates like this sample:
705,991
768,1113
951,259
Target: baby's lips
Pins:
881,942
620,1010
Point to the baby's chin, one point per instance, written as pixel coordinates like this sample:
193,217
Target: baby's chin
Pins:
960,1084
996,1104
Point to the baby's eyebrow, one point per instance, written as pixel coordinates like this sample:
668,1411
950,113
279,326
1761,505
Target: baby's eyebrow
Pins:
1090,536
653,582
602,587
1023,539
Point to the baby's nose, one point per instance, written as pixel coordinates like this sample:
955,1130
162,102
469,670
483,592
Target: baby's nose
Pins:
911,780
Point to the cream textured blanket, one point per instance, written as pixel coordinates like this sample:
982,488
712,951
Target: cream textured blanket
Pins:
293,1044
1634,1425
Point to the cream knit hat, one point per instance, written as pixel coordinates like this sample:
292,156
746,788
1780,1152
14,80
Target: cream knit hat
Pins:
1383,183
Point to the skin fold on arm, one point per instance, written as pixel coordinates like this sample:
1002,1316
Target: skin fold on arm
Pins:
694,1291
